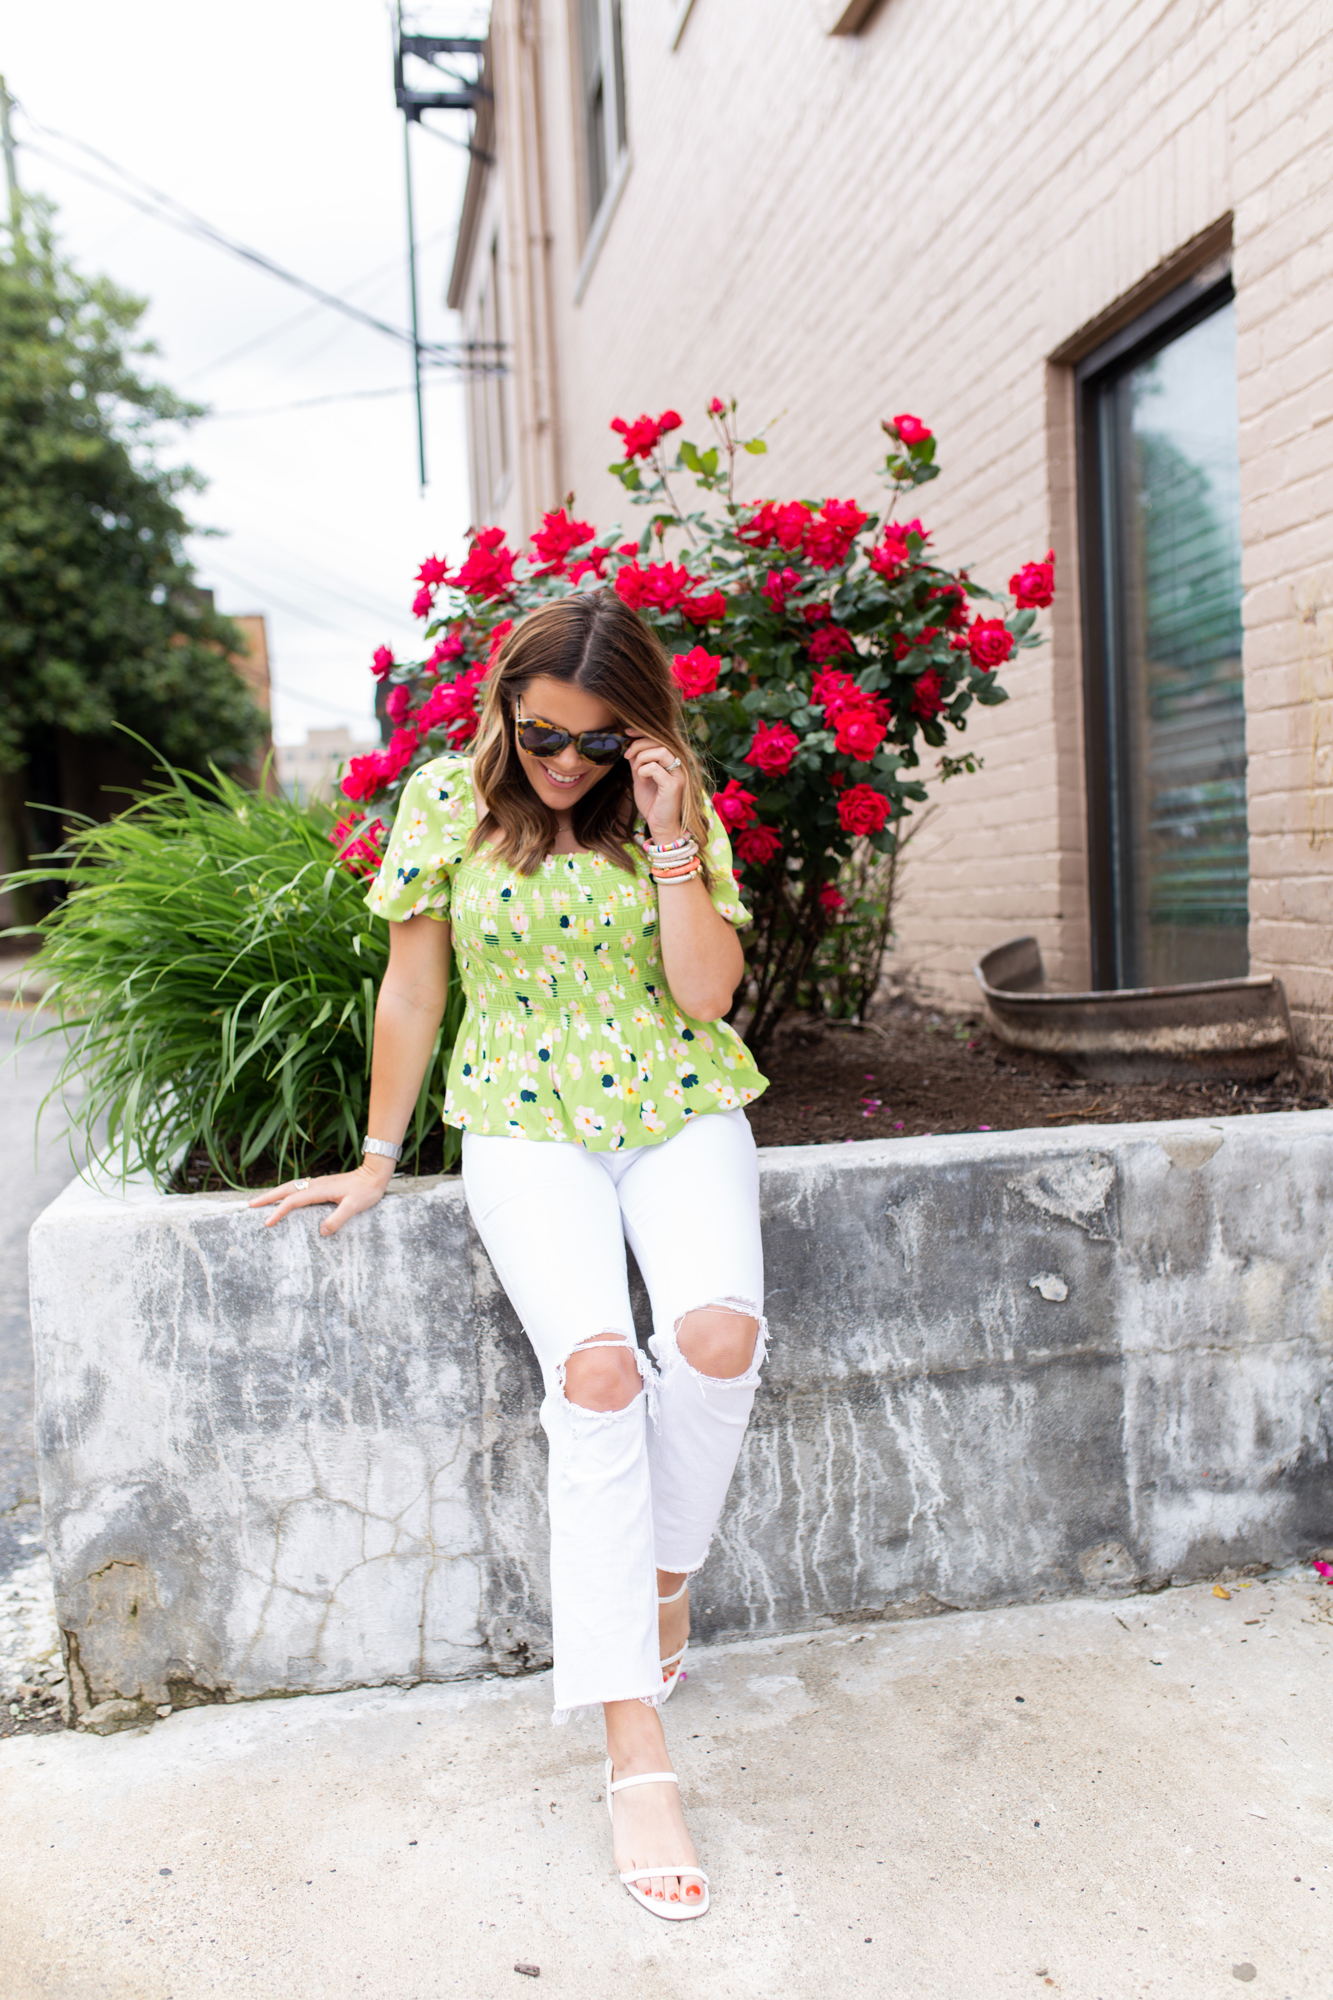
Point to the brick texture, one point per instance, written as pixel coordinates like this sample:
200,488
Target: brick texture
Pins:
919,216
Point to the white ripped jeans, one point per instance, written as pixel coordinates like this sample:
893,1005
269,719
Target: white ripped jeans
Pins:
636,1490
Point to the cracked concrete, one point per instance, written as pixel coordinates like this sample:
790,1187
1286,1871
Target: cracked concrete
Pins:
1104,1799
273,1464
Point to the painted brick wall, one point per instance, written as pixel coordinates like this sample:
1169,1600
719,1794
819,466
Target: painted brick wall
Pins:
919,217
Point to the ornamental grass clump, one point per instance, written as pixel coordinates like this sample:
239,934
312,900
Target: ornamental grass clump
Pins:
214,971
821,650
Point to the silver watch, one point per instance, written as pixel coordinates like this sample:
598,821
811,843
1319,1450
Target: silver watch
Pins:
382,1147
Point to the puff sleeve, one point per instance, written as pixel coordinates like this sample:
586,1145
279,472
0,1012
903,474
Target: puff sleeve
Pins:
436,816
725,891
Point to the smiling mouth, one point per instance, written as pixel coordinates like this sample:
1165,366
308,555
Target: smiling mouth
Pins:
561,784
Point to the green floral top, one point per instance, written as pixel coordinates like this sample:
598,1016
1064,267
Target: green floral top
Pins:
570,1032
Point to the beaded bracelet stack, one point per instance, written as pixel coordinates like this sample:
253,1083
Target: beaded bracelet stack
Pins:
673,860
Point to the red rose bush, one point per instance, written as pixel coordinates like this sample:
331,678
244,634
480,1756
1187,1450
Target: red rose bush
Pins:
819,648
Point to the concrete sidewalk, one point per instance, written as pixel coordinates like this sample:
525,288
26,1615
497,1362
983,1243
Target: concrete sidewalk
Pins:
1099,1798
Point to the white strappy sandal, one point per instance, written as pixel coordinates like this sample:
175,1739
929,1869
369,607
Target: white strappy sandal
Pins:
657,1906
675,1661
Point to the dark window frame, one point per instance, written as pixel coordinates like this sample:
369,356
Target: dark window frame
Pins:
1183,307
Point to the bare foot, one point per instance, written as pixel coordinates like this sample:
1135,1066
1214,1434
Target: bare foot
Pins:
648,1825
673,1620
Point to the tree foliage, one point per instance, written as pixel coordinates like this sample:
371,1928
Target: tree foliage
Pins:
100,621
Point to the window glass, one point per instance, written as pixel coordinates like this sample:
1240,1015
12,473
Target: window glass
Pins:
1169,498
594,102
602,59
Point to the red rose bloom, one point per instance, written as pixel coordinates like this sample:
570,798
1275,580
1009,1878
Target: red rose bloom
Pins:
910,429
831,899
643,435
893,552
359,855
452,706
927,695
863,810
696,672
398,703
449,648
990,643
703,610
557,536
829,537
835,691
422,602
758,845
433,571
399,753
828,642
778,586
1034,585
717,408
382,662
860,731
789,524
364,776
784,525
773,748
658,587
760,529
489,569
734,806
593,564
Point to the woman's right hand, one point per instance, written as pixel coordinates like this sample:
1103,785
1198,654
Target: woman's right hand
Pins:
352,1193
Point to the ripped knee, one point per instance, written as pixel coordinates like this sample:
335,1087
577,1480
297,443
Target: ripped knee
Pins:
721,1341
602,1374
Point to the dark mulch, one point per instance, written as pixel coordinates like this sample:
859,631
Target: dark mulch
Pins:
917,1071
913,1071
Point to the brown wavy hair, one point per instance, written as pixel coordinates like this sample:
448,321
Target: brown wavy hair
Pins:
595,642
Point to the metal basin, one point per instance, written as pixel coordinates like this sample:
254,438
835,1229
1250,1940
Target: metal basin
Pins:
1221,1029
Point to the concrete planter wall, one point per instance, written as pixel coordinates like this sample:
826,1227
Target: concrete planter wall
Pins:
1002,1365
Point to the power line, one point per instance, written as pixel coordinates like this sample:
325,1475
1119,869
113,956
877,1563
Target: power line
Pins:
271,598
313,402
382,614
160,207
299,319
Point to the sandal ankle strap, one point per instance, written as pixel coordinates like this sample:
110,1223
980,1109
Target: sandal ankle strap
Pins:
676,1595
648,1778
667,1868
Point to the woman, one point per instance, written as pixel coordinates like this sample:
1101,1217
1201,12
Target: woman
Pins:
577,866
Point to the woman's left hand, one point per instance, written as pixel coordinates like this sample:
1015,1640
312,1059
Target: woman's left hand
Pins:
659,790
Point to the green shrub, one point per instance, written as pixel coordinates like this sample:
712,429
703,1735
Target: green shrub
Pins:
214,971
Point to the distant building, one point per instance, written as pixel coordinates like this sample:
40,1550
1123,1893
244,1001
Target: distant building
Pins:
1089,247
253,667
310,770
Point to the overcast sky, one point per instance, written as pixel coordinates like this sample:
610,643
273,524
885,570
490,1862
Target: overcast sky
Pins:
275,121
